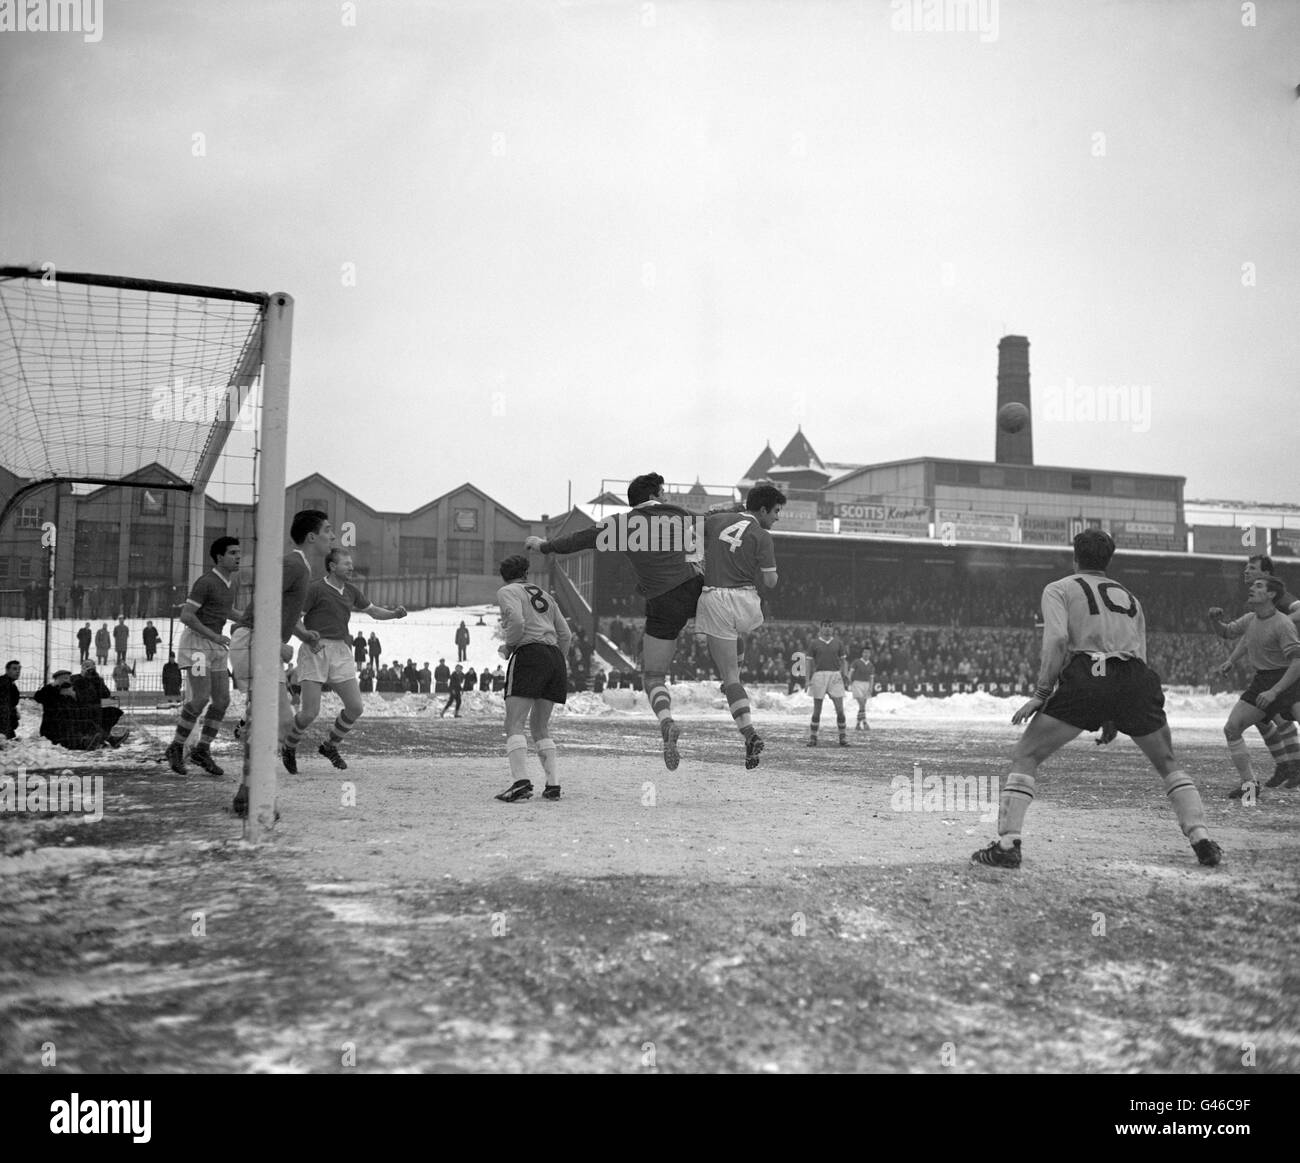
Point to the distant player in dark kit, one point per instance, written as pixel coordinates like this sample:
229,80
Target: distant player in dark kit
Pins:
9,696
1093,671
668,581
739,556
536,642
331,660
1278,732
827,662
1271,644
204,652
863,679
84,637
455,684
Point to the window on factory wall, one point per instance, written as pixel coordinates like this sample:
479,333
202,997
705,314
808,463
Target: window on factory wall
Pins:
418,553
151,551
29,517
464,556
96,548
25,570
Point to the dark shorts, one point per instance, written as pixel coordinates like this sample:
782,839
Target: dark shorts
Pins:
1283,705
537,671
1127,694
666,615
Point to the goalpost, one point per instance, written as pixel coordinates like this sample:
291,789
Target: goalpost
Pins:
120,397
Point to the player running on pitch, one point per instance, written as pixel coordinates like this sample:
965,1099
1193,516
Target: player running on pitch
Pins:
1094,655
313,537
537,641
330,602
863,678
203,653
669,583
827,660
1271,645
738,552
1279,733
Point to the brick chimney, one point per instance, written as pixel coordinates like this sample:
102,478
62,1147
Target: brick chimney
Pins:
1013,388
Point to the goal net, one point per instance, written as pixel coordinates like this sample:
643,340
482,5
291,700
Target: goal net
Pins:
143,420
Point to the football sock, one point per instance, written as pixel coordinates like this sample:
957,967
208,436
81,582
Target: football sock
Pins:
1274,739
296,732
816,717
1017,795
189,719
738,705
546,753
1241,759
211,725
1288,738
342,725
1186,801
656,690
517,754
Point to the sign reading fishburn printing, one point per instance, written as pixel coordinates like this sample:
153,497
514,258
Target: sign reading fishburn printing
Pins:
877,517
1045,530
970,525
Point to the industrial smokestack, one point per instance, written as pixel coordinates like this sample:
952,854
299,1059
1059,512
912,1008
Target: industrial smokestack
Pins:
1015,427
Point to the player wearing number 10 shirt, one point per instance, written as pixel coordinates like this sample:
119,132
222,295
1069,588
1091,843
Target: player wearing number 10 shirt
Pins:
1094,655
537,640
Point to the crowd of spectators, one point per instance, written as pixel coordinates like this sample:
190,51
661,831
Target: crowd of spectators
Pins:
910,656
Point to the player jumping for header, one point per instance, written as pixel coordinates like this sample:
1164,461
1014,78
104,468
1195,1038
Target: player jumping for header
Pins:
827,660
1094,643
1277,731
537,642
1270,643
738,551
203,654
669,583
330,602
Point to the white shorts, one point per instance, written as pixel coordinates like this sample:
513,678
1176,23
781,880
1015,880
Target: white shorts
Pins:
241,658
215,656
826,682
728,613
862,691
331,662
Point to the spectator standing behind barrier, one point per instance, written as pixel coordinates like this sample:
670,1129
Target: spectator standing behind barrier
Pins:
367,679
149,636
84,637
425,677
9,696
462,642
375,650
441,677
103,644
122,676
359,650
121,636
172,678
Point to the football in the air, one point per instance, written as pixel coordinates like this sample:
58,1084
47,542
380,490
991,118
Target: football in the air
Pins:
1012,417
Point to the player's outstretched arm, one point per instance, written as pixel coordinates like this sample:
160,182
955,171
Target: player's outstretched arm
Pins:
382,614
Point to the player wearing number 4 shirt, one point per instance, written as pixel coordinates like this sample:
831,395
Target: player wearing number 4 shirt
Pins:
329,605
537,641
203,653
1094,655
739,556
665,577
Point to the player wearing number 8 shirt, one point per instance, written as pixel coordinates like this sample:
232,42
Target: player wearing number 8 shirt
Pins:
739,555
1094,655
537,641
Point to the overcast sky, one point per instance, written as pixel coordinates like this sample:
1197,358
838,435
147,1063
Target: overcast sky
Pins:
592,239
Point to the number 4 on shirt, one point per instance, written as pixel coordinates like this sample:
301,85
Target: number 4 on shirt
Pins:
734,534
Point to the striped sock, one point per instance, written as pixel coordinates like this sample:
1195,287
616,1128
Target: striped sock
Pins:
1288,738
188,721
1241,759
342,725
1274,739
547,755
211,725
656,689
296,732
1186,801
738,705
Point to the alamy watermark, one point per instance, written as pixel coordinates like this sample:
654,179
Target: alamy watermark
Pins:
1099,404
81,795
946,793
183,403
946,16
83,16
